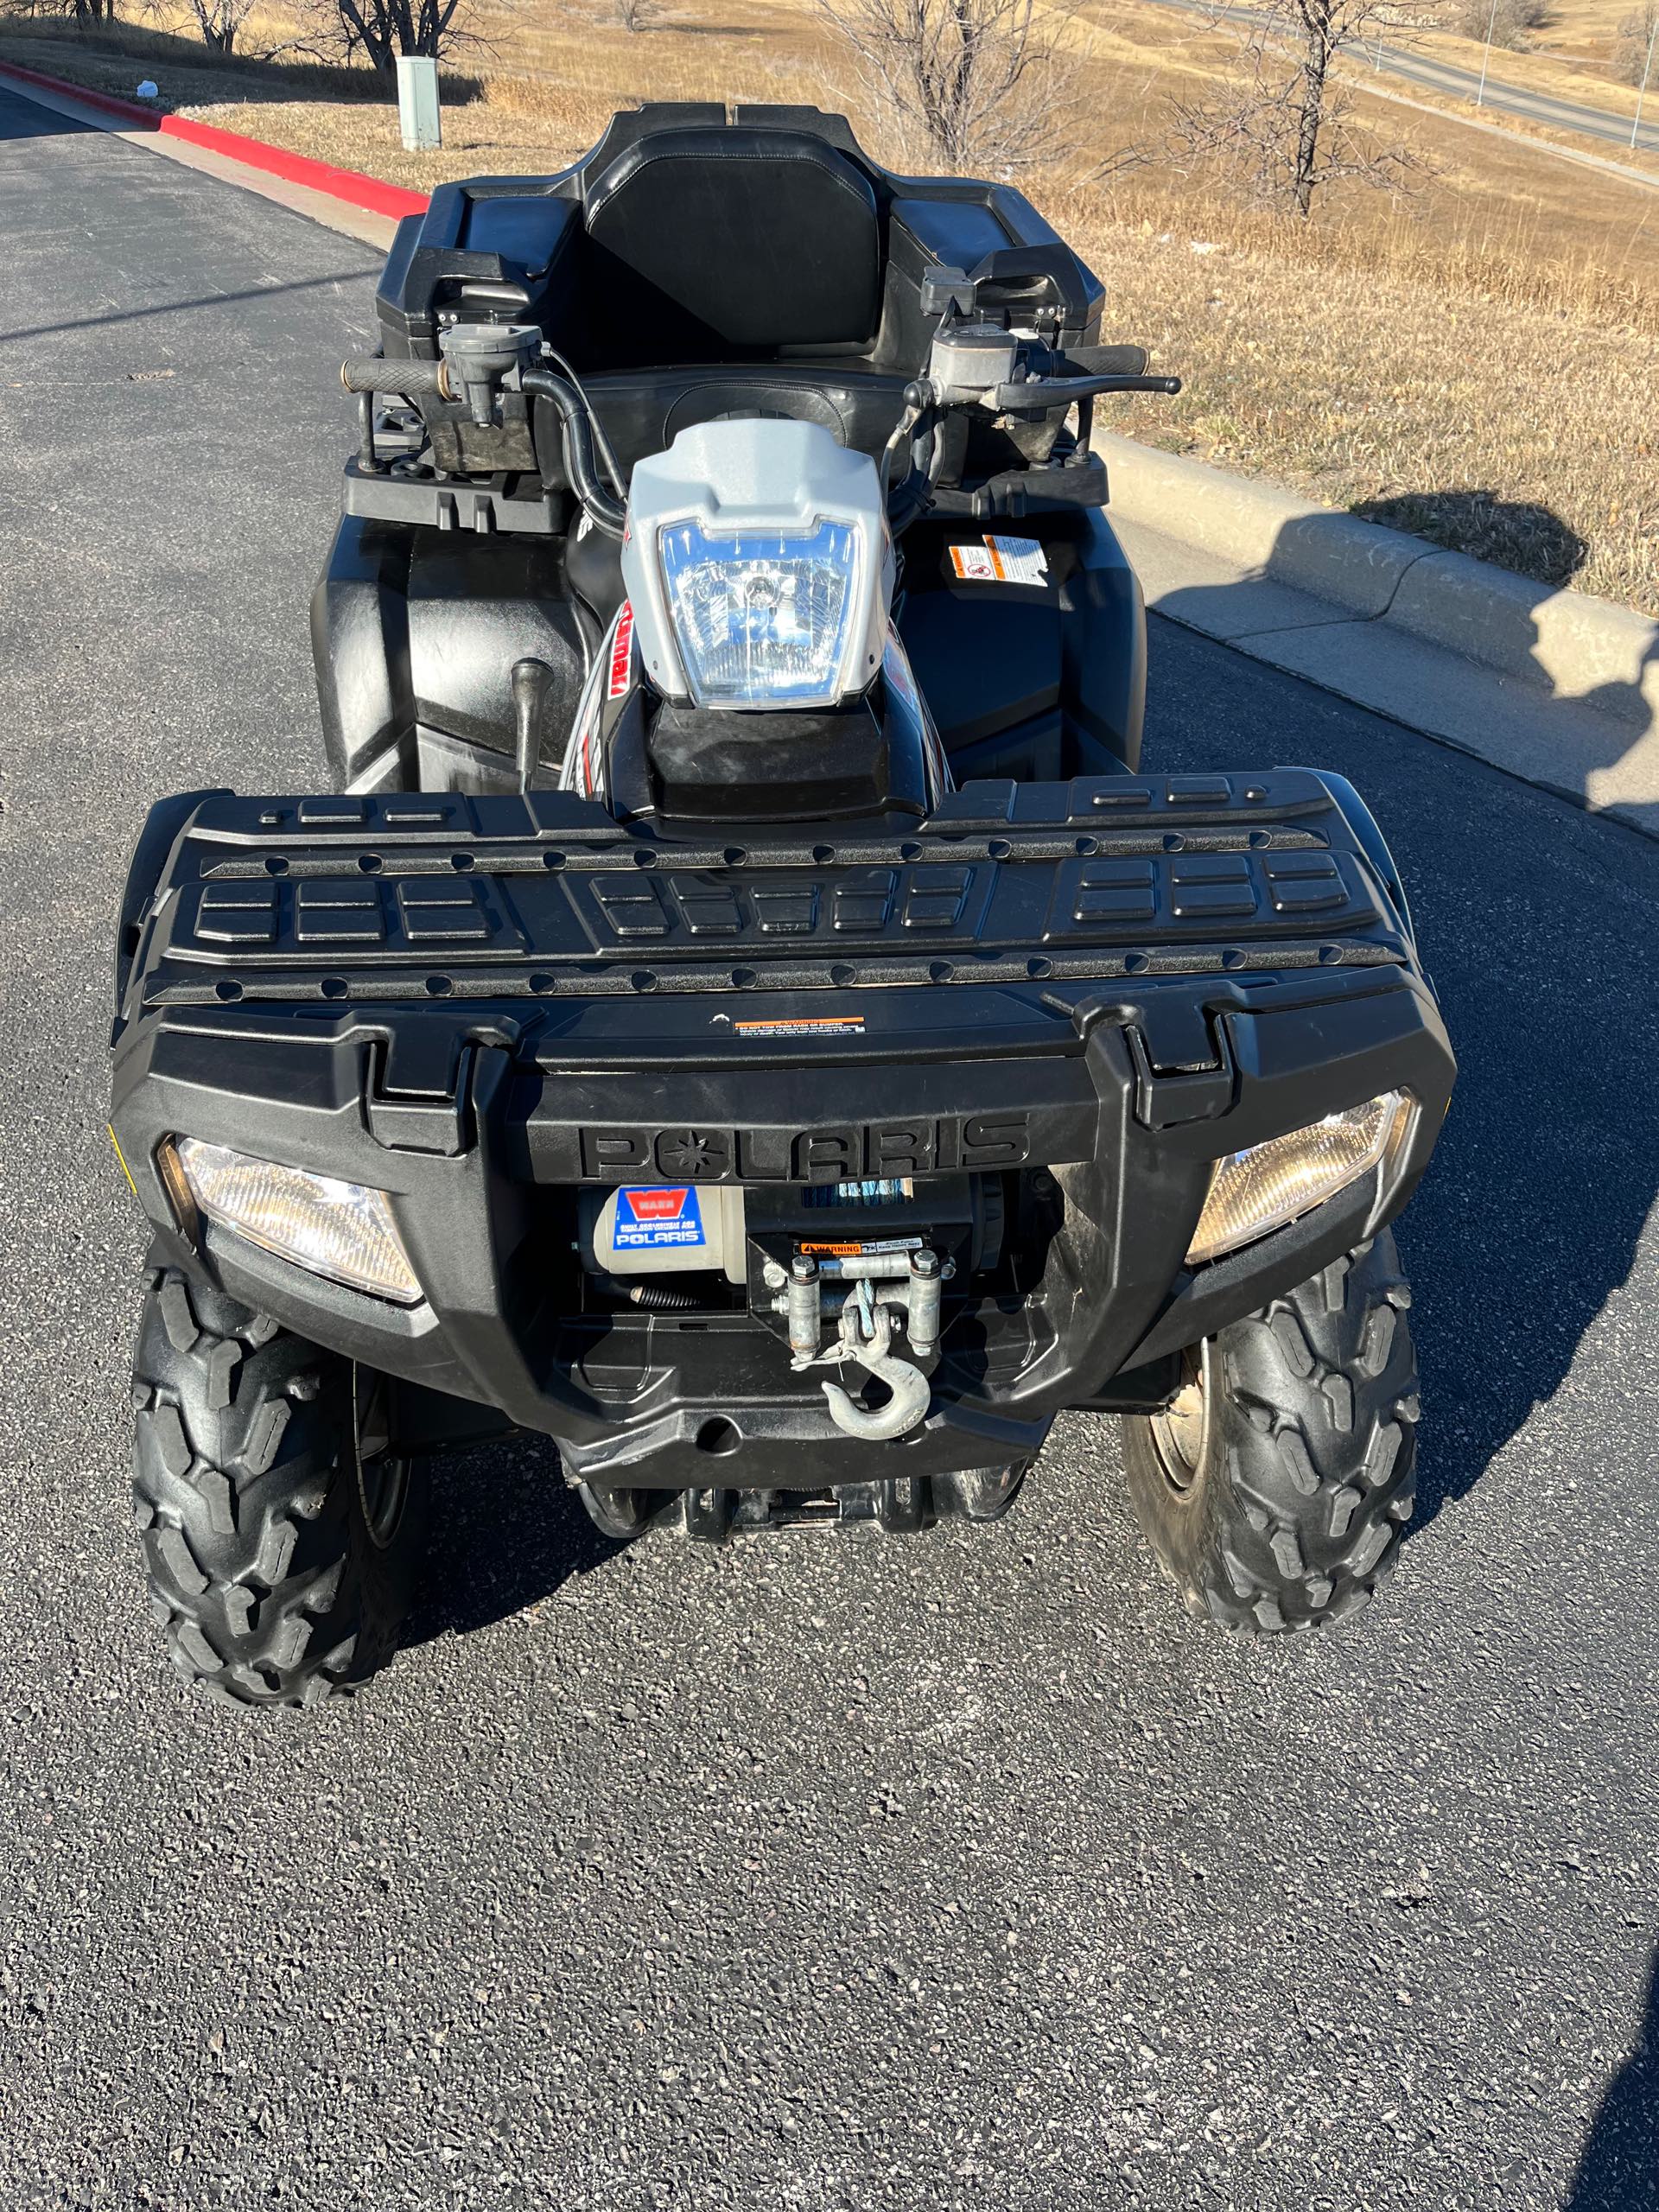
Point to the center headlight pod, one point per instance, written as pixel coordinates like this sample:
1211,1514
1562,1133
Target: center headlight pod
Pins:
343,1230
759,566
762,616
1266,1185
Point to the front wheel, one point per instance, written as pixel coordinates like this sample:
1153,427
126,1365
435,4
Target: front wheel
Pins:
1274,1486
281,1533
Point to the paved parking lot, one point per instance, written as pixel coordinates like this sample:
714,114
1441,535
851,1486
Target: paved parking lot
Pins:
808,1873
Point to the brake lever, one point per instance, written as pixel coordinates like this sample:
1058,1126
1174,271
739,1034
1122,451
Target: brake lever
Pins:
1038,393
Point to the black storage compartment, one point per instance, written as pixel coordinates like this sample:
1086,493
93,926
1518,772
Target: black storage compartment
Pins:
1037,682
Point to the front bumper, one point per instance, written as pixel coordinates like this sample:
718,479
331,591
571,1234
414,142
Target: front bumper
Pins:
1083,995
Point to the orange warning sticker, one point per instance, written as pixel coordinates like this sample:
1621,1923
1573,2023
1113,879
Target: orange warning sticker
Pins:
862,1251
1001,560
816,1024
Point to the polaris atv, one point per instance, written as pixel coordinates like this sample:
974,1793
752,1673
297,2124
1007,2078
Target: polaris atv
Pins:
744,1015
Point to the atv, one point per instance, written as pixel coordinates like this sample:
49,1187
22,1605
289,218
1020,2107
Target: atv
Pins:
743,1014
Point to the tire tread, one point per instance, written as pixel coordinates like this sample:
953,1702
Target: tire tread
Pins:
261,1578
1298,1514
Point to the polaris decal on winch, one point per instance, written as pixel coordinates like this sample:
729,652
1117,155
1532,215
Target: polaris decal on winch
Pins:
656,1220
621,653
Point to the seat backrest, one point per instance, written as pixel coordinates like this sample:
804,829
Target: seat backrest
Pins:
707,244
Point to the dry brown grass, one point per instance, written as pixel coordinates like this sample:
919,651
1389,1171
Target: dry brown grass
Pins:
1520,436
1478,362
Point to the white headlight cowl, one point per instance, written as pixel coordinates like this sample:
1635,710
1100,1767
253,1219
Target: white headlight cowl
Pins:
1266,1185
343,1230
760,568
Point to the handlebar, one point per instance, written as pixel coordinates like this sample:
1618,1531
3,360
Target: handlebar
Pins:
368,373
1085,373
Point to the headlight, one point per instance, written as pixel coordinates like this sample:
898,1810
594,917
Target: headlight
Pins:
763,616
343,1230
1268,1185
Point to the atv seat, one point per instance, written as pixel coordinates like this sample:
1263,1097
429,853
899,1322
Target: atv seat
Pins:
691,267
712,245
709,260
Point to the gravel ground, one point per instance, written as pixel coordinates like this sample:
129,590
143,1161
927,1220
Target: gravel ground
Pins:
809,1873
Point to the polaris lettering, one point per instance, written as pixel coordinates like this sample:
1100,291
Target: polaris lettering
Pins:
975,1142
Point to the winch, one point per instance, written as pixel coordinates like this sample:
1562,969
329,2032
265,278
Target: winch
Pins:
842,1272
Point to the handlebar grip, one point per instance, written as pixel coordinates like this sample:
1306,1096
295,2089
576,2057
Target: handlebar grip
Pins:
1107,360
369,373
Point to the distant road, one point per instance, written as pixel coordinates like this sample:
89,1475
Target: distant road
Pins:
1465,83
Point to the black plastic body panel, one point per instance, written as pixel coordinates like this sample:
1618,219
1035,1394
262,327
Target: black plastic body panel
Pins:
599,297
414,632
1043,681
482,1005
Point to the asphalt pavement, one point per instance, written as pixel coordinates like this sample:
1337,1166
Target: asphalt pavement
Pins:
807,1875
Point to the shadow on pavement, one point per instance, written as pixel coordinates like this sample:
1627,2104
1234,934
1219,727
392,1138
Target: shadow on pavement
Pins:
1528,1218
509,1531
211,300
22,118
1619,2167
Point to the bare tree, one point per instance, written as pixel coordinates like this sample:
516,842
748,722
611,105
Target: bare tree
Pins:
637,15
1285,128
1505,22
220,20
963,81
1636,57
384,28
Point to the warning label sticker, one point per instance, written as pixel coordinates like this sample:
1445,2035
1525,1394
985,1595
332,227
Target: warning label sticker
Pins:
855,1251
1001,560
657,1220
816,1024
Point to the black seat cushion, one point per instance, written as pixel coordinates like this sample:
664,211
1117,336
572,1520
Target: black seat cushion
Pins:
711,243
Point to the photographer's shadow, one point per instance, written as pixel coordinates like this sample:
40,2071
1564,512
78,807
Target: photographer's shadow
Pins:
1619,2166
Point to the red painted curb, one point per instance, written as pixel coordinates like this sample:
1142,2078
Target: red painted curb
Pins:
128,111
368,192
298,168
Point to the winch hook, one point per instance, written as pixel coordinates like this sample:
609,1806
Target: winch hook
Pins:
910,1387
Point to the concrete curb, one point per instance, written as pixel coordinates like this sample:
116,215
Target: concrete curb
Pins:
357,191
1565,645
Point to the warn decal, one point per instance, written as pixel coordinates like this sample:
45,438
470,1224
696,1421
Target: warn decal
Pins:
657,1220
621,653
